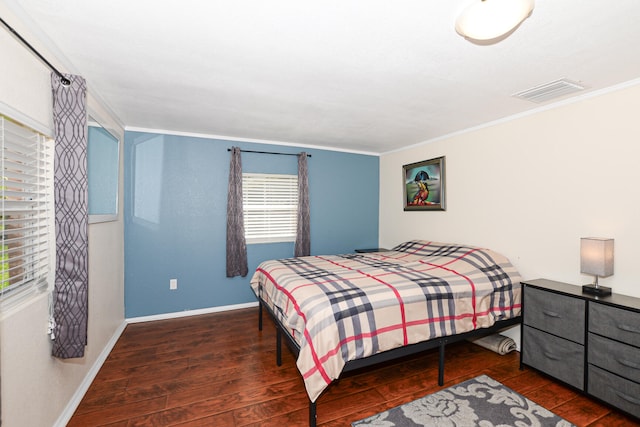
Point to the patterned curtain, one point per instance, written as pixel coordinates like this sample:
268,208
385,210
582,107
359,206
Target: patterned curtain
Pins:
303,233
70,295
236,244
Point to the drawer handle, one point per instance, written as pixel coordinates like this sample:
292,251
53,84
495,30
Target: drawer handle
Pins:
629,329
551,314
626,397
551,355
628,363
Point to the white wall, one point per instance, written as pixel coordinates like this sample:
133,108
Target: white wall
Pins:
532,186
37,388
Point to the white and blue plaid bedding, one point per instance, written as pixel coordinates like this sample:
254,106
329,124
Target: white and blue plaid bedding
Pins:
345,307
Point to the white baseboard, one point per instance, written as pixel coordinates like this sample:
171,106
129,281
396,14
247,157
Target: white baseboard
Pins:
71,407
187,313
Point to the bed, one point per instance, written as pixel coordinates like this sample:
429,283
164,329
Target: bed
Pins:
343,312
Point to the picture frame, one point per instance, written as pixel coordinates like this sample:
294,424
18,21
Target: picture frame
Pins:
423,185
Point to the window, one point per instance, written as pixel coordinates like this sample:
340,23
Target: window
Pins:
270,205
25,211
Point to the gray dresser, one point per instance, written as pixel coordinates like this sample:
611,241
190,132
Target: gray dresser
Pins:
591,343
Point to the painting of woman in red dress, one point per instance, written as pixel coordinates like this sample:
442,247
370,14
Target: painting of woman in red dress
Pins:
424,185
421,196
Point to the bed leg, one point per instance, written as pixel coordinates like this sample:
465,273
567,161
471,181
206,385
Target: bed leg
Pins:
278,347
260,315
441,365
312,414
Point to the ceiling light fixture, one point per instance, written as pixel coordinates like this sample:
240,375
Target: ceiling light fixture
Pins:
486,20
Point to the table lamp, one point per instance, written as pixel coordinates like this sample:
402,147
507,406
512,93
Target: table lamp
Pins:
596,257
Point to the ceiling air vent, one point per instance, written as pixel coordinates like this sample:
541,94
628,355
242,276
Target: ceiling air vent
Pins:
549,91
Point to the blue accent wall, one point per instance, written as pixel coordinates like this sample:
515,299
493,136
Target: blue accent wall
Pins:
175,216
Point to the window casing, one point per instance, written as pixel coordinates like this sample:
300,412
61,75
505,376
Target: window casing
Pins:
270,206
26,211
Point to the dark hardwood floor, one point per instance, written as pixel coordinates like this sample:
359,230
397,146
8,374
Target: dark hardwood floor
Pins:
219,370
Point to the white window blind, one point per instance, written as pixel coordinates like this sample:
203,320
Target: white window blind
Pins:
270,205
26,210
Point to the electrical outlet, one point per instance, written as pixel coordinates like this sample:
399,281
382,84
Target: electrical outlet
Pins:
173,284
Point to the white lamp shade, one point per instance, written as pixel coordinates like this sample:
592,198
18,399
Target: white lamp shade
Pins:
490,19
596,256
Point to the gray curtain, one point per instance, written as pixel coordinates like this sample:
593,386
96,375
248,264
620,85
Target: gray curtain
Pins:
70,296
303,233
236,244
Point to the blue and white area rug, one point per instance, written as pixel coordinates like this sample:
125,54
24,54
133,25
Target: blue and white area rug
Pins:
481,401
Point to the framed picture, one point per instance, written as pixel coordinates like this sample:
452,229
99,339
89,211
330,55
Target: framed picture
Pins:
423,185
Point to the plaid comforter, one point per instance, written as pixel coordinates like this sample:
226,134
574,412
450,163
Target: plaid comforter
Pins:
345,307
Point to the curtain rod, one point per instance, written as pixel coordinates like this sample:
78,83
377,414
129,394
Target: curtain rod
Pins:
268,152
65,81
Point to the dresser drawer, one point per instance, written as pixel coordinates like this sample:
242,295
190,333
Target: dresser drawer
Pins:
619,392
616,357
557,314
555,356
616,323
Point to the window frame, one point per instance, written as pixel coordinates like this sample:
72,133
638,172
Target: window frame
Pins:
28,175
270,207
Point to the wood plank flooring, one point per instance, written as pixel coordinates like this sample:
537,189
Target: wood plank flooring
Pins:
219,370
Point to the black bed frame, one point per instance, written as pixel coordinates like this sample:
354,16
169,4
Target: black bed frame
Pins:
385,356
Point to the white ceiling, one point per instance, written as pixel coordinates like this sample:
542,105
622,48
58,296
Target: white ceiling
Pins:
363,75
